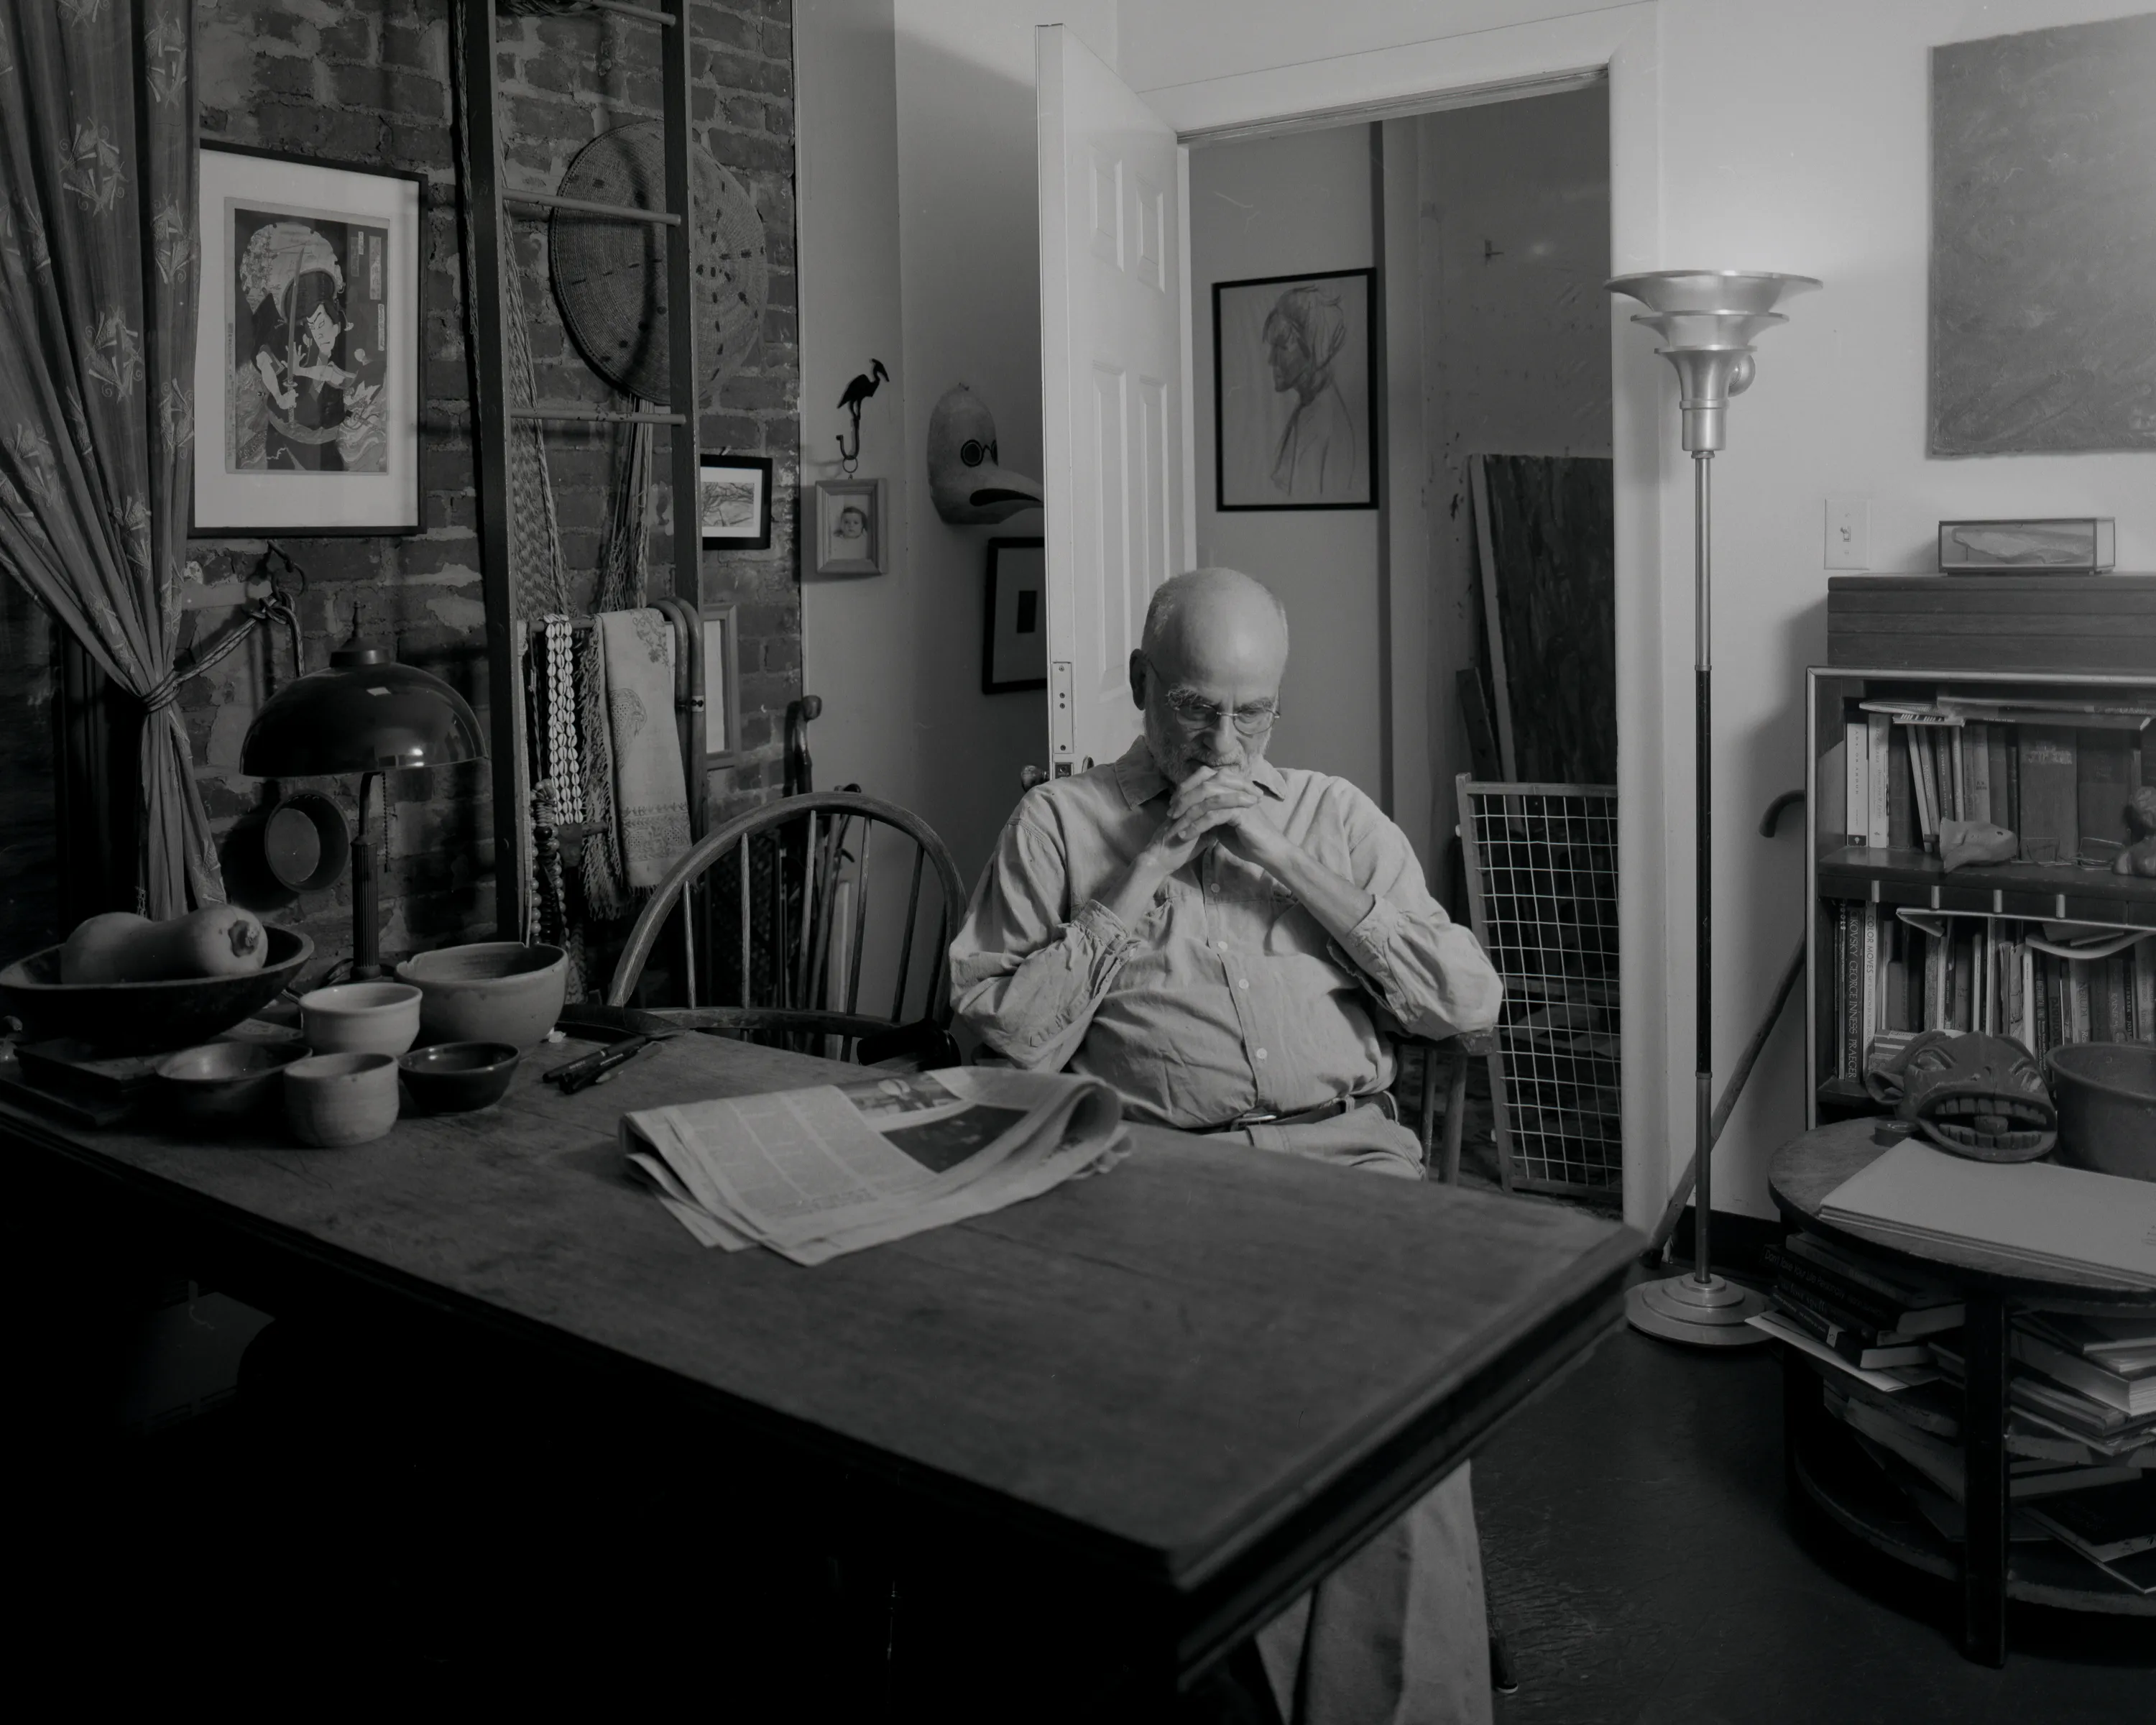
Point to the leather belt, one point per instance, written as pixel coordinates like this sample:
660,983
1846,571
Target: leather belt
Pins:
1303,1117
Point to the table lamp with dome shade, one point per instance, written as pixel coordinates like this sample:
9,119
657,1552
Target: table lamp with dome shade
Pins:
365,714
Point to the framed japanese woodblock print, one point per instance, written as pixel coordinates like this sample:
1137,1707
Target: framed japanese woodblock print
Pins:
307,385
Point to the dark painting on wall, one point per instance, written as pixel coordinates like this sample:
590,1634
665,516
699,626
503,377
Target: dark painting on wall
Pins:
2043,290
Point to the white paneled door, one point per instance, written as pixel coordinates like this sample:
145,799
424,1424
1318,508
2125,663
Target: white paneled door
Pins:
1115,388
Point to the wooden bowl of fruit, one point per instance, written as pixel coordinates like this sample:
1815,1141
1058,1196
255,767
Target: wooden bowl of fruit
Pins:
132,986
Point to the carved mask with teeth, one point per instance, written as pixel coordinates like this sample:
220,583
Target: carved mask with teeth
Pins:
1980,1096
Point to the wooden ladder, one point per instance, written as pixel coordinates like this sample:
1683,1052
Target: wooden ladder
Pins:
493,285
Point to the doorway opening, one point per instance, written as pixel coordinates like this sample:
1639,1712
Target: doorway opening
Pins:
1401,402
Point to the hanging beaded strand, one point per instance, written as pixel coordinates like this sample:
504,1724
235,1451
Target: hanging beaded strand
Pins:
564,748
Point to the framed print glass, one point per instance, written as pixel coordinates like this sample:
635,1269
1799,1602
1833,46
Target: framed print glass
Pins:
1295,415
736,501
849,527
1015,647
307,387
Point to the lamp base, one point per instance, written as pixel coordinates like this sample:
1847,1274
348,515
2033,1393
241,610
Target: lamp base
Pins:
1704,1314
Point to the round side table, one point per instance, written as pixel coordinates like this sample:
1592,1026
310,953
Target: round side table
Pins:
1823,1460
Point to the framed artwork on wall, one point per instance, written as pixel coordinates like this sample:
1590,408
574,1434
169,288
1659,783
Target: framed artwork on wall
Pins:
736,501
307,379
722,686
1014,637
849,527
1295,411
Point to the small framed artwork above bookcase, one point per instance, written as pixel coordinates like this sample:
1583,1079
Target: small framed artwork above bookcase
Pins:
2034,932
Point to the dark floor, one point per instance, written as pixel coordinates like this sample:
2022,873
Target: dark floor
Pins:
1647,1570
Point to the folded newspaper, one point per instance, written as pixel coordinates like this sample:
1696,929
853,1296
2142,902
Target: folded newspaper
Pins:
816,1173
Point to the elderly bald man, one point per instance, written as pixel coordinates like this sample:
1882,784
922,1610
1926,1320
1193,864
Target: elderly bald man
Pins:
1228,944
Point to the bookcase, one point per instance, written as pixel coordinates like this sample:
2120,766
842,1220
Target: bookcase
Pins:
2048,945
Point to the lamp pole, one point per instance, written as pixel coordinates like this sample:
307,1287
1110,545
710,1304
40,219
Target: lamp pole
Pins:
1708,320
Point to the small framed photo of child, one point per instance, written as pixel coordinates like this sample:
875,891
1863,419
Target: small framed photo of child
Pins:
849,527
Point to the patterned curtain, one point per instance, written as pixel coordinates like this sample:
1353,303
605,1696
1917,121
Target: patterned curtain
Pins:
98,263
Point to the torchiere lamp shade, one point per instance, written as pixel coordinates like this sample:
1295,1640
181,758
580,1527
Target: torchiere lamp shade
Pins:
365,714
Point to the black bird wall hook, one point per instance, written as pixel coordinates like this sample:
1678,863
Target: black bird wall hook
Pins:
859,390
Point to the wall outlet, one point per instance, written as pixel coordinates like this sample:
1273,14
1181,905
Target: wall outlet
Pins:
1849,532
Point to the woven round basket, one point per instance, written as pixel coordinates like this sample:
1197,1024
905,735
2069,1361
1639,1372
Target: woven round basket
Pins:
610,276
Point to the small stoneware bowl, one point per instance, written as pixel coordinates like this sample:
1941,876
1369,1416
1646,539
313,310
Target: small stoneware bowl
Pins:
361,1018
491,991
333,1100
458,1077
223,1082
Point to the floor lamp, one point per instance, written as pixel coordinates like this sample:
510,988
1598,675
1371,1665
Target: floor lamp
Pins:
1708,320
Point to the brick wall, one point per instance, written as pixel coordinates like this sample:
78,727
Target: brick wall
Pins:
367,82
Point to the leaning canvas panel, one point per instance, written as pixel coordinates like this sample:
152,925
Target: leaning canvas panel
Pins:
2044,241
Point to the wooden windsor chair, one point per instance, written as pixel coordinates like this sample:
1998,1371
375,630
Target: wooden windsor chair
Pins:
802,888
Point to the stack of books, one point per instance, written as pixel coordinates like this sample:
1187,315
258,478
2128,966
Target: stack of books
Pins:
2082,1398
1839,1308
1886,1343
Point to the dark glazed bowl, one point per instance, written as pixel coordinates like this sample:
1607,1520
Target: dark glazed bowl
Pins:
143,1018
458,1077
222,1082
2107,1096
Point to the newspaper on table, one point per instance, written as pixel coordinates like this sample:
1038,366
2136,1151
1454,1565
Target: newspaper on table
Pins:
815,1173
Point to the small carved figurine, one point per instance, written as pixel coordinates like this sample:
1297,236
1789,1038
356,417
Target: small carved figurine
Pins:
1980,1096
1964,842
2139,858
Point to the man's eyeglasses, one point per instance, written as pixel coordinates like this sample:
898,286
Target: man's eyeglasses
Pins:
1203,716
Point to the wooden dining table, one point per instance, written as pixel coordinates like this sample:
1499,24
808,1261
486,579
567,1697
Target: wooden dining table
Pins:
1194,1383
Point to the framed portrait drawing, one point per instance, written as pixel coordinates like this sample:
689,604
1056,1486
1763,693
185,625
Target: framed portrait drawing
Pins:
307,385
1014,644
736,501
721,687
1295,409
849,527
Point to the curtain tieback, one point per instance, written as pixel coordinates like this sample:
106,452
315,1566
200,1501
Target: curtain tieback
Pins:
162,694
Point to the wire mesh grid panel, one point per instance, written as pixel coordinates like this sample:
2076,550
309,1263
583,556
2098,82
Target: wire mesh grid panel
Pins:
1542,885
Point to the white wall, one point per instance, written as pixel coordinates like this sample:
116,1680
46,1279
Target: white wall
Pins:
1278,207
920,230
1749,134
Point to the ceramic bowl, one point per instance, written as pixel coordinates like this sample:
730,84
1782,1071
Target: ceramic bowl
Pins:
457,1077
2107,1096
361,1018
223,1082
333,1100
493,991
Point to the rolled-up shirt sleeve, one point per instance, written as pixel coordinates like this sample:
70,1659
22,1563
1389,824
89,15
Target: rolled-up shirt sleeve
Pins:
1430,973
1026,973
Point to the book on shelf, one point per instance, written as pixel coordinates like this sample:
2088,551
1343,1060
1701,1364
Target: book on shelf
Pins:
1859,1344
1856,780
2050,795
1940,1462
2103,1428
1864,1294
2132,1393
2107,1522
1889,1380
2125,1341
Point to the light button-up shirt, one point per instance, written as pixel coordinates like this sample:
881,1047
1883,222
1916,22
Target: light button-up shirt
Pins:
1227,998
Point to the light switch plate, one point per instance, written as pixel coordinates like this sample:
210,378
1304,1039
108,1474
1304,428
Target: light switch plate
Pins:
1849,532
